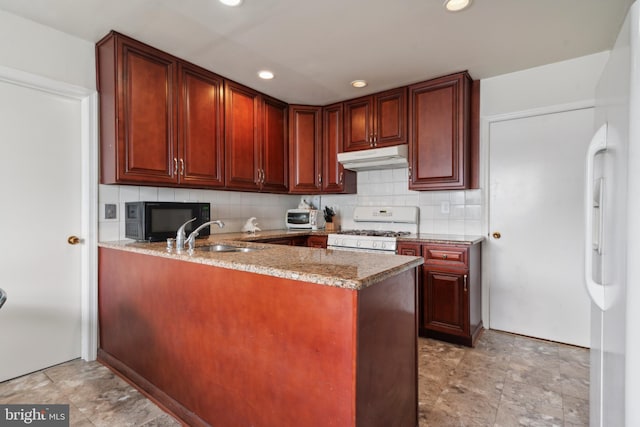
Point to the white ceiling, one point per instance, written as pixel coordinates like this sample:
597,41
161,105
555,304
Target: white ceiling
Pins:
317,48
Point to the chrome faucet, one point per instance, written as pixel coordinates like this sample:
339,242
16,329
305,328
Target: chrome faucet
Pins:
180,235
191,240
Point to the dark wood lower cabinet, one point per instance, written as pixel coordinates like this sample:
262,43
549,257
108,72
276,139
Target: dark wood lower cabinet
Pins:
317,242
449,291
445,303
287,241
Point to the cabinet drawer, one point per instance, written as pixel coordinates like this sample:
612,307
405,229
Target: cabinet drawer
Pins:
445,255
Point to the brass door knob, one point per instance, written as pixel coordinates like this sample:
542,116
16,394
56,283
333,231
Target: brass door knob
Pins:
496,235
73,240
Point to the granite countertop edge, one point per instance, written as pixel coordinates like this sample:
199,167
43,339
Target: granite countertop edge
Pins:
469,239
255,262
276,265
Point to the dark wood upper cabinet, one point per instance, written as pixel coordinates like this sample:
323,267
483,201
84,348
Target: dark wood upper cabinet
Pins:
439,133
137,85
166,122
160,118
335,178
305,148
315,138
242,137
200,125
275,146
255,140
378,120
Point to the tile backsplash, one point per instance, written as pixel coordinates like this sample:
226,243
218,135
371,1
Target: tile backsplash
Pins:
234,208
441,212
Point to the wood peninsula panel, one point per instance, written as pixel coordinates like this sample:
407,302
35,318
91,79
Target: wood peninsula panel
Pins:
229,348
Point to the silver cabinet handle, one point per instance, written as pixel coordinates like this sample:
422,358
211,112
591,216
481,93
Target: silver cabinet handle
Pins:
175,166
262,173
319,179
182,167
465,283
341,178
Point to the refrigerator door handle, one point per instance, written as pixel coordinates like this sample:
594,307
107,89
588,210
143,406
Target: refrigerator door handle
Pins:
597,145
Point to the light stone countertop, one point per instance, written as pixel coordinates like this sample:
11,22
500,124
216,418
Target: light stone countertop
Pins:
441,238
349,270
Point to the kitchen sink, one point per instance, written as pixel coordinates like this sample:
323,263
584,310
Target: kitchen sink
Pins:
226,248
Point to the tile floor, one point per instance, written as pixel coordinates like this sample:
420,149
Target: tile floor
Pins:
507,380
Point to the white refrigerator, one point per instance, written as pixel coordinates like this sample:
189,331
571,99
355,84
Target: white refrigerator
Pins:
612,251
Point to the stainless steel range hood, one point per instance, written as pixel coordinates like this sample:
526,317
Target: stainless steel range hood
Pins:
376,158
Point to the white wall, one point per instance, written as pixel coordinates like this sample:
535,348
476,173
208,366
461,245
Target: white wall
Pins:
560,83
37,49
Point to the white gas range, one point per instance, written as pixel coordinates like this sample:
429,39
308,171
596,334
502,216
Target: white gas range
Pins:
381,226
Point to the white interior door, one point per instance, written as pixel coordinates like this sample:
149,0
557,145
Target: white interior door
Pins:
40,179
536,172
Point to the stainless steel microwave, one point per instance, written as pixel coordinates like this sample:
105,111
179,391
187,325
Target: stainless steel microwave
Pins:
156,221
305,218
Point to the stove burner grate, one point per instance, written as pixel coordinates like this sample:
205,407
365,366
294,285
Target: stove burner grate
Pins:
375,233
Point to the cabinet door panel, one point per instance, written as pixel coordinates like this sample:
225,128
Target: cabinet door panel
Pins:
357,124
274,156
391,118
445,302
305,149
242,140
201,141
146,116
335,179
439,146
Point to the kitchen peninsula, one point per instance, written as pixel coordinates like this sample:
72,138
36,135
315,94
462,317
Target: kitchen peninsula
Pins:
276,336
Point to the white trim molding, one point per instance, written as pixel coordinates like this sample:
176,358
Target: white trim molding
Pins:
88,99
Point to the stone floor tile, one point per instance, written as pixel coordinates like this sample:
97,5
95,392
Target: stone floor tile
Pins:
576,411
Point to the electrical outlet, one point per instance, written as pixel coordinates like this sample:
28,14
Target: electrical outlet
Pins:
110,211
444,207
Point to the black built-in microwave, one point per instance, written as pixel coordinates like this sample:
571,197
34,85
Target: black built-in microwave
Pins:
157,221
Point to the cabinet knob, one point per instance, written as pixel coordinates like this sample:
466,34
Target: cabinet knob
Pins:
444,256
496,235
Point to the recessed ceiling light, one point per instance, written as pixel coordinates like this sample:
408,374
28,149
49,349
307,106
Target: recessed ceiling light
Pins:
359,83
265,74
231,3
456,5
